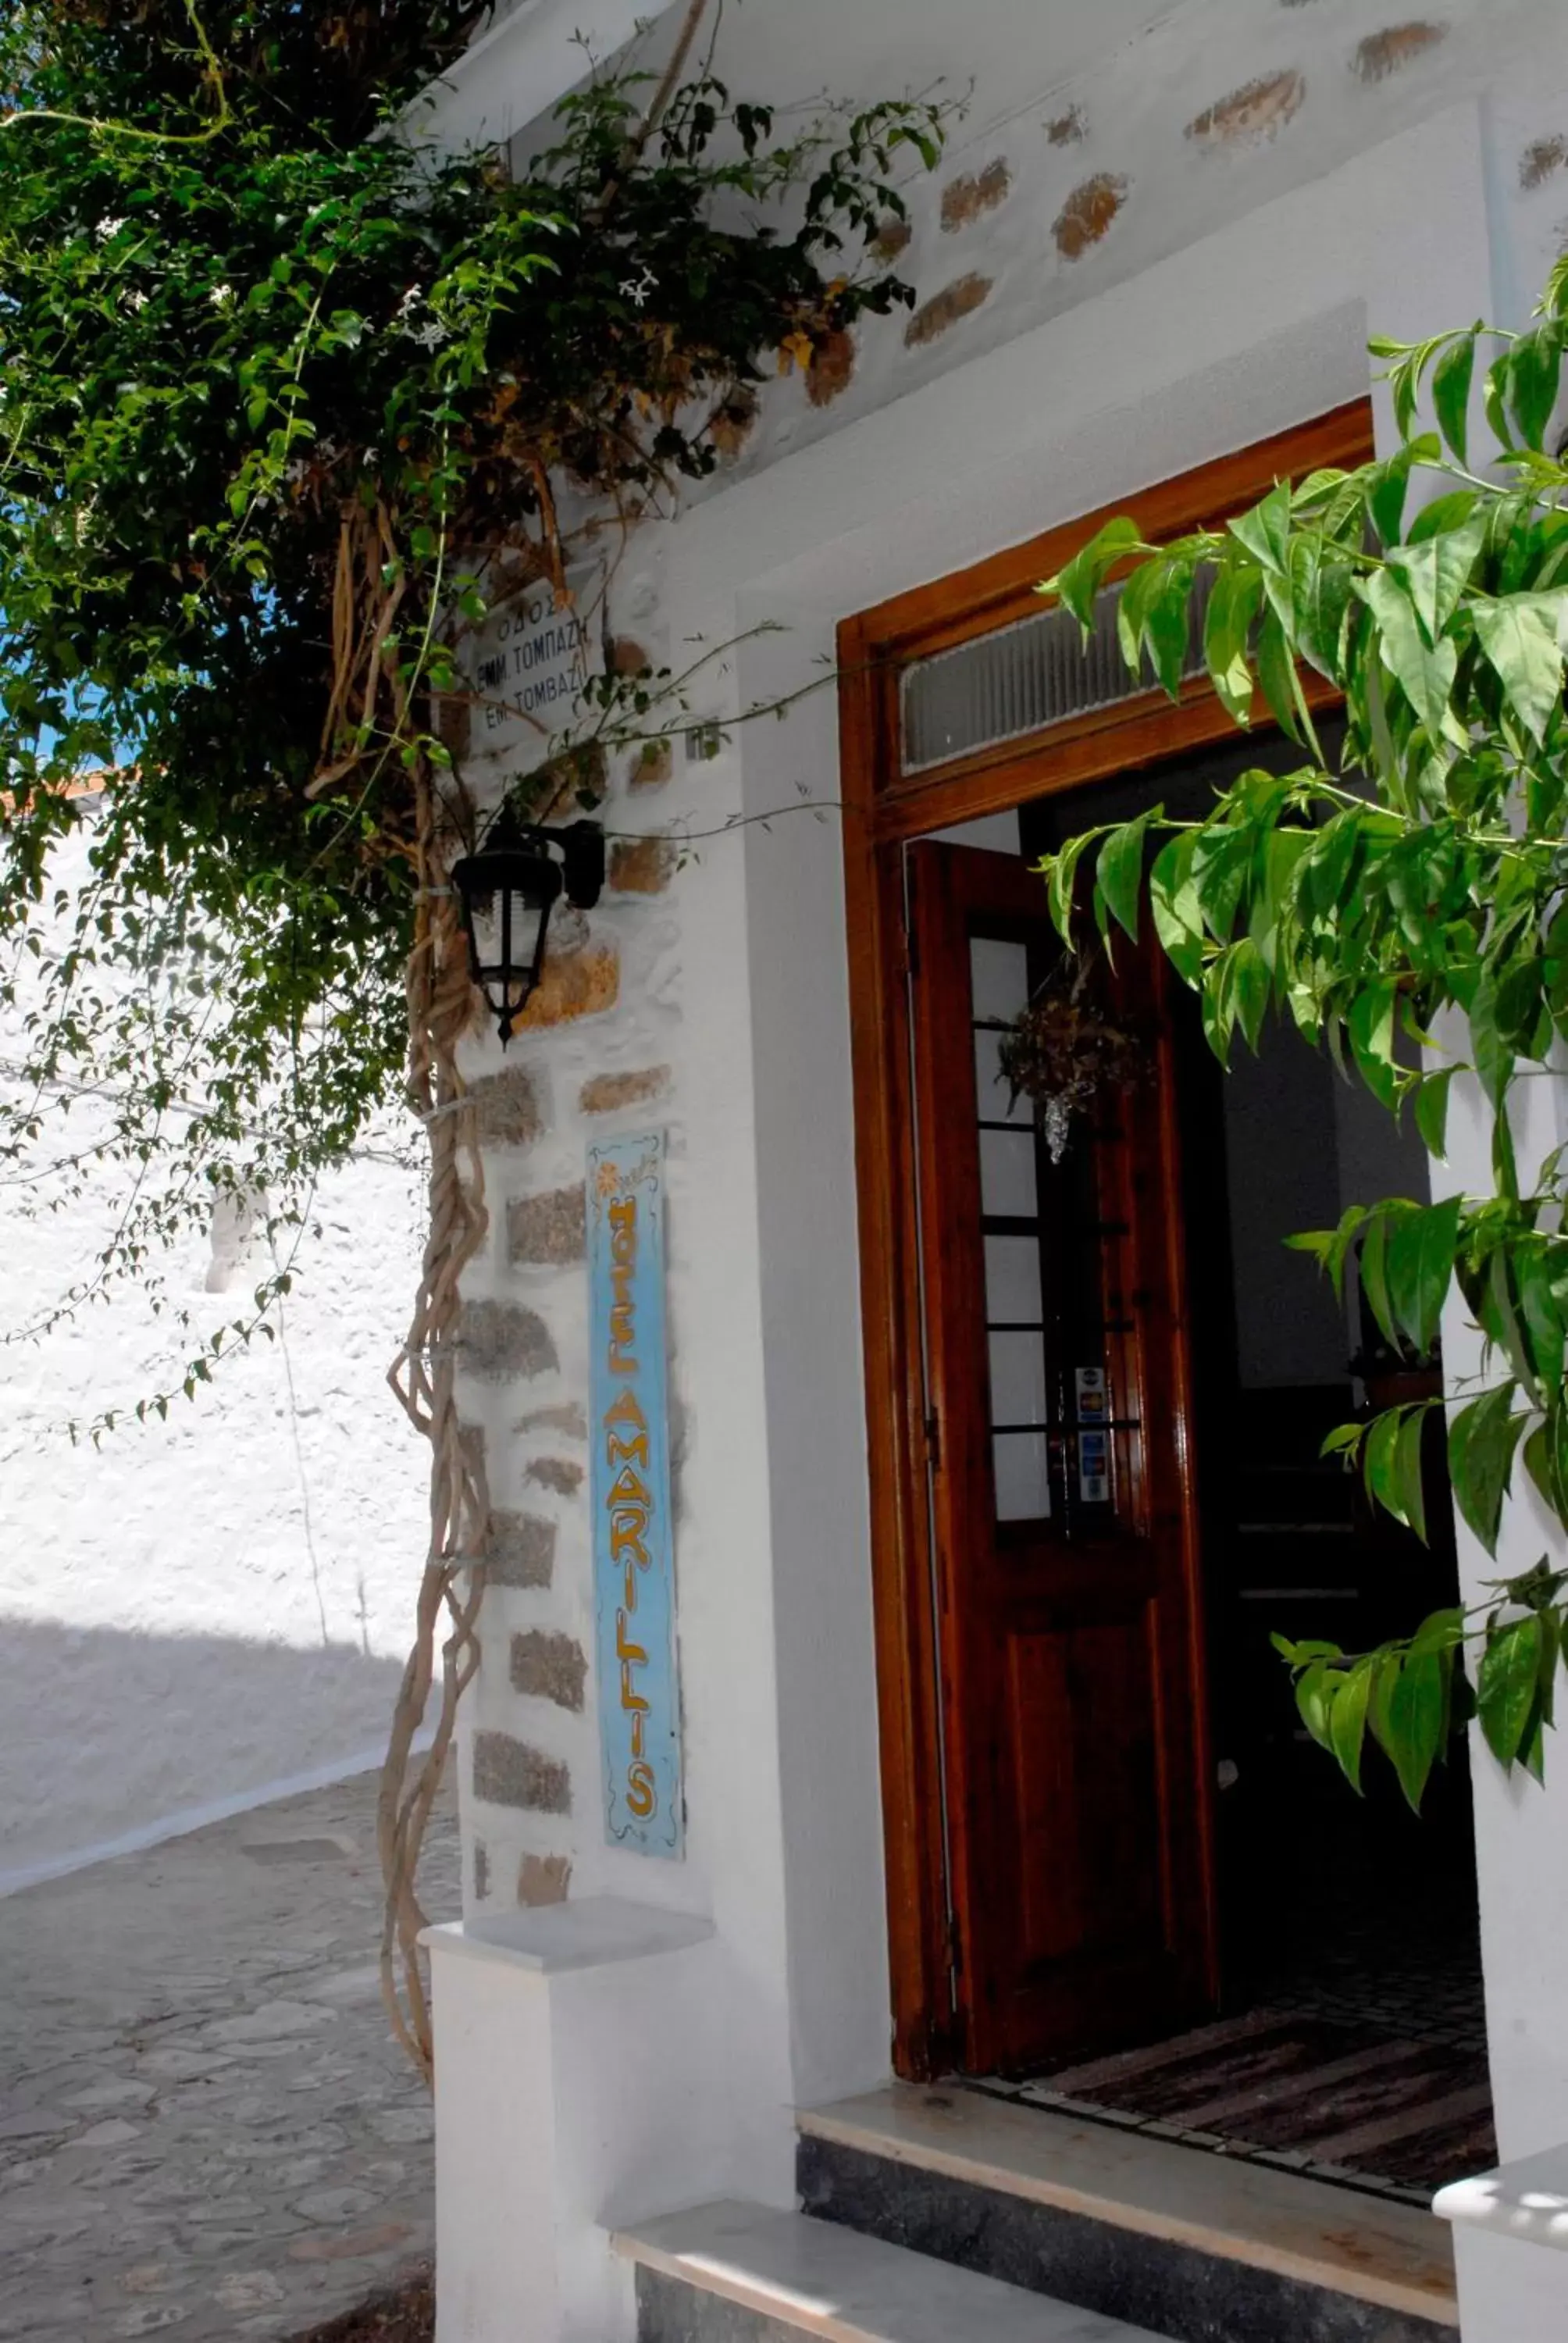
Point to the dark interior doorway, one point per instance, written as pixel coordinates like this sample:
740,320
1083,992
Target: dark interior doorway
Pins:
1351,2039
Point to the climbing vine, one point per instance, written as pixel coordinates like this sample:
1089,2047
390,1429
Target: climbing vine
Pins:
291,405
1406,909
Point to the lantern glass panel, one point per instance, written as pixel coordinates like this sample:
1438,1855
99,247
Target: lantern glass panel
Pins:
507,930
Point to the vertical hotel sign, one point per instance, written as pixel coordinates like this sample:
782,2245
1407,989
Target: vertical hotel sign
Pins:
634,1551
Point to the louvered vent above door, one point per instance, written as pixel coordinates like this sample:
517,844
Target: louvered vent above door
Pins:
1022,679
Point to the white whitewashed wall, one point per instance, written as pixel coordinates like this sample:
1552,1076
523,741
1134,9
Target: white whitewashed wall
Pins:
205,1613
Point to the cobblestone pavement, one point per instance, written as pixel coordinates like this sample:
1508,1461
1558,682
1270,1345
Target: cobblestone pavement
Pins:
205,2124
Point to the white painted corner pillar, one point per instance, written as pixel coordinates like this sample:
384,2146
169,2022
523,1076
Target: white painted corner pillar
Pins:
1511,2250
579,2085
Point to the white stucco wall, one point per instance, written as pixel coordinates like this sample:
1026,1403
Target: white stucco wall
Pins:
206,1613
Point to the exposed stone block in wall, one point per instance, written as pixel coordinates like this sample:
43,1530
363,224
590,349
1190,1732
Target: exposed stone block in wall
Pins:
1383,53
607,1093
1069,129
554,795
970,197
832,367
549,1667
627,656
892,239
498,1340
572,1420
522,1551
575,984
1541,162
507,1108
1253,114
556,1474
544,1879
944,310
641,866
1086,216
548,1230
651,765
454,726
507,1772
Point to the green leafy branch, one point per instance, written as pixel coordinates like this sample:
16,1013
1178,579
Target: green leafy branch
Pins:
287,410
1408,911
1496,1662
212,83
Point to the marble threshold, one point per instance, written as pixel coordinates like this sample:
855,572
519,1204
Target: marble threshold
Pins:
1391,2254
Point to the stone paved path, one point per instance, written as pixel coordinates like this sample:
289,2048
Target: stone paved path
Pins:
205,2124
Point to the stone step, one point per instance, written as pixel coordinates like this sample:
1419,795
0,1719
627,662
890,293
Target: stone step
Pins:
1189,2245
734,2273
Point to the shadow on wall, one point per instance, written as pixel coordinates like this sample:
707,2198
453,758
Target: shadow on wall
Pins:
100,1726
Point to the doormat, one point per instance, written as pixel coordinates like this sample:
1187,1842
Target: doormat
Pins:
1400,2114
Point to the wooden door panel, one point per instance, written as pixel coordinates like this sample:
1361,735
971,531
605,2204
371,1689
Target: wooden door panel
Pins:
1090,1839
1066,1541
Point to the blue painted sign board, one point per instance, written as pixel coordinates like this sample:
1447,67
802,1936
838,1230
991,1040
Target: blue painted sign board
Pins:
634,1544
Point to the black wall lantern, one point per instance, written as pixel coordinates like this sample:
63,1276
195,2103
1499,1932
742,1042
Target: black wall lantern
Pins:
508,889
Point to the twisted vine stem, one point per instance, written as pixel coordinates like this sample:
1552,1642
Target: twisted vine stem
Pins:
373,684
445,1653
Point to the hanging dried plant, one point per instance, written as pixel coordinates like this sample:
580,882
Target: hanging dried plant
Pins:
1065,1051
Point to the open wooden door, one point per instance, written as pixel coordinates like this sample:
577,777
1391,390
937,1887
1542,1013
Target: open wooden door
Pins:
1066,1549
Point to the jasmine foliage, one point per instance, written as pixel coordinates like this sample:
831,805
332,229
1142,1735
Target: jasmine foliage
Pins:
1409,914
286,404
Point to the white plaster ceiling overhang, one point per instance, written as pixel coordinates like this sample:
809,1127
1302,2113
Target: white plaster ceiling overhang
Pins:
791,51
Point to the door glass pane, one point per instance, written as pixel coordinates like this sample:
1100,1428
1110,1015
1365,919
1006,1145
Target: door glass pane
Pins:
1000,974
1022,1476
992,1088
1017,1379
1009,1184
1012,1291
1060,1284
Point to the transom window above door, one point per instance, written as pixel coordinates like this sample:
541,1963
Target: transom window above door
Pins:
1001,686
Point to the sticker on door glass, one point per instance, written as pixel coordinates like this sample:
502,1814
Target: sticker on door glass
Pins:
1094,1468
1093,1396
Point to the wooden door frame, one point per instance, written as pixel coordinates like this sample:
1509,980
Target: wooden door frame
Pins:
883,813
